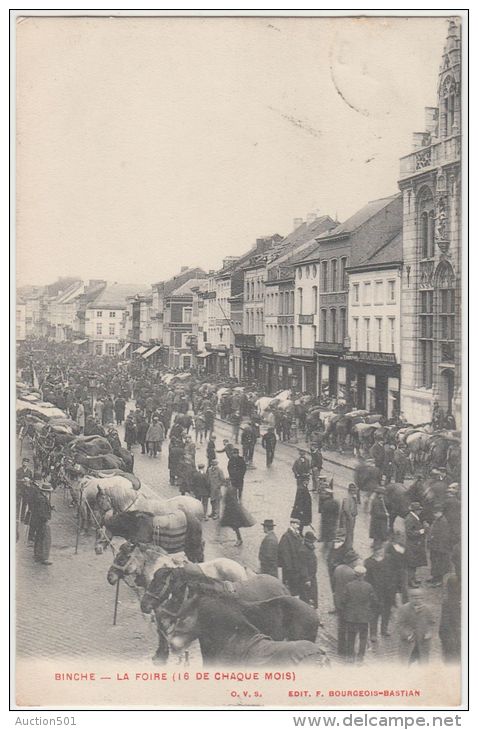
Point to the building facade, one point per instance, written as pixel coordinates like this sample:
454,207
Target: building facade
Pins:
373,356
430,180
105,320
322,291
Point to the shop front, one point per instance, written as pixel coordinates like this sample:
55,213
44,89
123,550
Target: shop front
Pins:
331,371
373,381
217,360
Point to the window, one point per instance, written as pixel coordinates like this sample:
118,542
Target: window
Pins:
291,302
366,292
299,273
248,291
300,335
355,293
111,329
111,349
356,333
300,300
426,225
99,313
378,321
367,333
334,274
280,339
99,329
323,325
378,292
315,298
426,338
391,291
333,325
391,327
98,348
252,290
343,324
307,272
187,314
112,315
281,303
324,283
446,310
343,274
286,339
314,271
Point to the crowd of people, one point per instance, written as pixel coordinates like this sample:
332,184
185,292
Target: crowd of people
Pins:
411,525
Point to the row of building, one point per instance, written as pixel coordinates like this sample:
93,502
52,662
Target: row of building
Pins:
367,309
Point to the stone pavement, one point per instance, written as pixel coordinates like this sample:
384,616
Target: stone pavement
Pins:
67,608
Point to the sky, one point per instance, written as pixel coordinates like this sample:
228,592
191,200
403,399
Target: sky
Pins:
147,144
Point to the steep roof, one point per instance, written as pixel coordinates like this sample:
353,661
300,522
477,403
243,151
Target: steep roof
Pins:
361,216
390,252
114,296
186,289
171,284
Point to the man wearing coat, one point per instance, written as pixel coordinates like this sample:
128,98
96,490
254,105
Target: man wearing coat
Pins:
41,514
269,550
379,517
329,517
237,468
439,544
290,558
301,466
381,576
120,406
415,553
348,514
343,574
215,479
175,457
269,442
358,604
414,625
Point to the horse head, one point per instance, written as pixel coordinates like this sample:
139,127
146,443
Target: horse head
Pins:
129,560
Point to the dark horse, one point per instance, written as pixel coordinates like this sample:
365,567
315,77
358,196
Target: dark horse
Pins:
138,527
227,637
262,600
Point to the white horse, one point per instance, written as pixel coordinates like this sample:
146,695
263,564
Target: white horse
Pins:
143,562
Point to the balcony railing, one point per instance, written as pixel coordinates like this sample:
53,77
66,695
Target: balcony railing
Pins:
285,319
440,153
334,348
303,351
306,319
249,341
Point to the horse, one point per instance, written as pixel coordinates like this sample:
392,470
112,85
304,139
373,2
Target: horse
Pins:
174,531
363,437
85,492
227,637
142,562
92,445
169,586
338,428
417,444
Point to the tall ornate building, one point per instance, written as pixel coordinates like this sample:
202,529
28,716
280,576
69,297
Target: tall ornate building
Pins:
430,180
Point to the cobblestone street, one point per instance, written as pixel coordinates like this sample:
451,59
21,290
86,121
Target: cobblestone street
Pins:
66,609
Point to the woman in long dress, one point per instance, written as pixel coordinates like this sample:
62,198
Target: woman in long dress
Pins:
234,515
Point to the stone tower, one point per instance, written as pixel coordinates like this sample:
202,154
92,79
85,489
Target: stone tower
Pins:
430,180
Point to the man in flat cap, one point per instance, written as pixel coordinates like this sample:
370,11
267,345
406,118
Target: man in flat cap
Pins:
41,515
358,604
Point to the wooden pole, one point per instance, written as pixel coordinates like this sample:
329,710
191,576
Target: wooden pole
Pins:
78,527
116,601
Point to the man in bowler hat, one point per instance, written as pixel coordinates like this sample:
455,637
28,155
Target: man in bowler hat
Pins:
269,550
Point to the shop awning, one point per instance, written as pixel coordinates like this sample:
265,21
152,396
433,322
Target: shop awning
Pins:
124,348
151,352
79,342
139,350
203,355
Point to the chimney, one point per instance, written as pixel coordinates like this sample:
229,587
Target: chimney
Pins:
311,217
298,222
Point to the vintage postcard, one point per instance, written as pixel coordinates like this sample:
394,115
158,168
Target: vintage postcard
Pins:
240,245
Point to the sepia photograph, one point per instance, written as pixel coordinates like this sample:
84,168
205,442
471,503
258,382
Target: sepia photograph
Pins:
240,360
